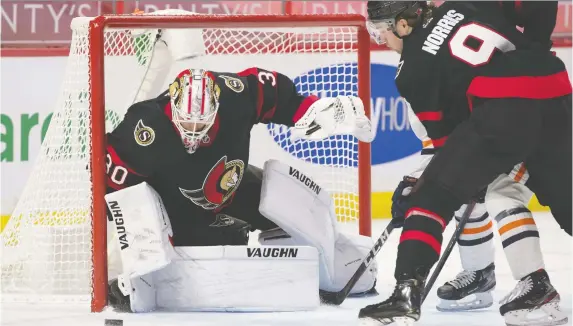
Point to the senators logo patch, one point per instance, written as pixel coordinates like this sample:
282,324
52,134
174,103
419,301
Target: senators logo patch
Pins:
235,84
219,185
143,134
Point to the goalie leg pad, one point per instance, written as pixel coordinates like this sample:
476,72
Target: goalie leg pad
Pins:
350,250
239,278
302,209
305,214
142,229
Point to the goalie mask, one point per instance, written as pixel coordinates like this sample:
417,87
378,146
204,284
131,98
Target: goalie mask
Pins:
194,104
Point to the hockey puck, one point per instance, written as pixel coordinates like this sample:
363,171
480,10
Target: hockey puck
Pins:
113,322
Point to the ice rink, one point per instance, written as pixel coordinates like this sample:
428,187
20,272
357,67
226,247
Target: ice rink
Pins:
556,246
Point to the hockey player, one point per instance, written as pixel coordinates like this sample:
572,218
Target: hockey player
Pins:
536,18
451,55
191,145
506,200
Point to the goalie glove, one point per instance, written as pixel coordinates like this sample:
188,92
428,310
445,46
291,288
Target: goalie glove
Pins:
341,115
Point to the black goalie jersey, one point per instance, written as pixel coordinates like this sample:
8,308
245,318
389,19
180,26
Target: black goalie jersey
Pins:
146,146
464,55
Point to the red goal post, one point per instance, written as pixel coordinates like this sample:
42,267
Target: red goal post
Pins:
97,106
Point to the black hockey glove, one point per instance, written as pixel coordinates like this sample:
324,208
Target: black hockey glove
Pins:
400,200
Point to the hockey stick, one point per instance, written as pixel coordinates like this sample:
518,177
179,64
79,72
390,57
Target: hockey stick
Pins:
336,298
459,229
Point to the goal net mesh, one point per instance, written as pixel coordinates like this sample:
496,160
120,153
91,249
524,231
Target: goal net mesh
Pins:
46,245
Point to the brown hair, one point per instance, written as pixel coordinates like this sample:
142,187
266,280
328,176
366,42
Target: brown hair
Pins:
414,18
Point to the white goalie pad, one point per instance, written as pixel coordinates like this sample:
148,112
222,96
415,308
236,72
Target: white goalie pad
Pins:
239,278
350,250
142,230
306,213
301,208
341,115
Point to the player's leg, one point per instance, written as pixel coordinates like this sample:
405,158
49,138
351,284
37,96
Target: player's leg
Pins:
245,205
471,289
534,293
507,200
550,165
499,134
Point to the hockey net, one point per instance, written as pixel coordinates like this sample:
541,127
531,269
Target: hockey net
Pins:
54,247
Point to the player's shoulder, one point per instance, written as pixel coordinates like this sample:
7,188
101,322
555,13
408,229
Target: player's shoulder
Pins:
152,112
152,108
145,121
230,83
235,95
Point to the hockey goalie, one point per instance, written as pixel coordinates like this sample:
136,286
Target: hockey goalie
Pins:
180,191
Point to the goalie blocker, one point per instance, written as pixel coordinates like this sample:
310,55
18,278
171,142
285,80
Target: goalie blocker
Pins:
154,275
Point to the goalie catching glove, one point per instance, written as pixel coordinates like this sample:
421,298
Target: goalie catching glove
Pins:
341,115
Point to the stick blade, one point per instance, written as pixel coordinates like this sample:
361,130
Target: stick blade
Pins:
331,298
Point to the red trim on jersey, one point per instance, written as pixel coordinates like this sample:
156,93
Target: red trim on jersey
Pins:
118,161
430,116
303,107
255,72
517,6
439,142
113,185
541,87
422,237
271,113
428,214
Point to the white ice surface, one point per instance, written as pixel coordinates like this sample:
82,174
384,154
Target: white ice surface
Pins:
556,246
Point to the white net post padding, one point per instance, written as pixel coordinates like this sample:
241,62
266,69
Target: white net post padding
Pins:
47,245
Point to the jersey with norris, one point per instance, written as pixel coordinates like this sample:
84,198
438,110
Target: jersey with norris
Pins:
146,146
463,56
537,18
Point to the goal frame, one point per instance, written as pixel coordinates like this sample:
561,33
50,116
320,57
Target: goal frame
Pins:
96,40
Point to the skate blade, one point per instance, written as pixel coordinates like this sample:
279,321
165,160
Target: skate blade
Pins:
551,316
374,322
404,321
400,321
471,302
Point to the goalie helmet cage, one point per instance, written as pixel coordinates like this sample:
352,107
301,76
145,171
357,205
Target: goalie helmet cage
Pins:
55,243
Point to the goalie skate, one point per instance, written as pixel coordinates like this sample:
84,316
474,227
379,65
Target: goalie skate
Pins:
533,302
468,291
